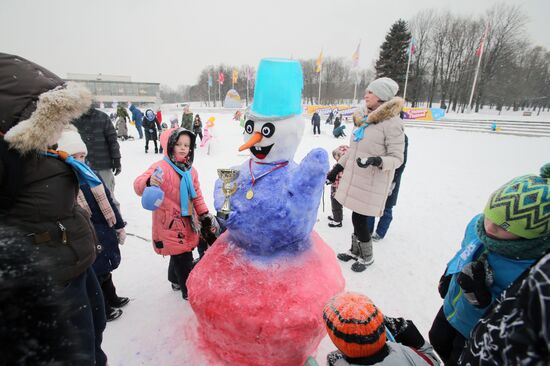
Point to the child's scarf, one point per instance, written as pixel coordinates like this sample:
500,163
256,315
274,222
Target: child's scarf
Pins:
83,172
187,189
102,201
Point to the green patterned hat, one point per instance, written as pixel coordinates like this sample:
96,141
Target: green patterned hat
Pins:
522,206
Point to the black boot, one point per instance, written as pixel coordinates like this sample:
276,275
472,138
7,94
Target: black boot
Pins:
353,253
112,314
119,302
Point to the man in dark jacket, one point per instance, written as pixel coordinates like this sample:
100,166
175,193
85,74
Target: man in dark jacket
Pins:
316,122
386,219
99,135
38,191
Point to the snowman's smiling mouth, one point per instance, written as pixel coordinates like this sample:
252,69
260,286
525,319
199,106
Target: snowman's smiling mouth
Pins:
261,151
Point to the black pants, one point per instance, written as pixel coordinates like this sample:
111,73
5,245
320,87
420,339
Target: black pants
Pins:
109,290
446,340
147,144
317,126
337,213
179,268
88,315
198,133
360,226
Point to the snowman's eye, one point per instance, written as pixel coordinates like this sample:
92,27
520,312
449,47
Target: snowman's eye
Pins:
249,127
268,130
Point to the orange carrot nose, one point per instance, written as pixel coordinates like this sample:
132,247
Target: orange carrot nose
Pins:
257,137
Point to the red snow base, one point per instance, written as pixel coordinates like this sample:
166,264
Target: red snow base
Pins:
263,313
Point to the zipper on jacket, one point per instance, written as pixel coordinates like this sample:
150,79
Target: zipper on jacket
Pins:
63,232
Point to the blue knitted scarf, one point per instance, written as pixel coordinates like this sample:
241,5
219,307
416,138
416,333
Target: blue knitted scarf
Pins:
186,189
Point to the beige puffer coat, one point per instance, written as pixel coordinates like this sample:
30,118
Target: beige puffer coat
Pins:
365,190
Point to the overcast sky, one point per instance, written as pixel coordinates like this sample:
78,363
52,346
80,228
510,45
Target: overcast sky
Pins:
171,41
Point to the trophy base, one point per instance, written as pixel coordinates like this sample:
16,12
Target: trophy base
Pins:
222,215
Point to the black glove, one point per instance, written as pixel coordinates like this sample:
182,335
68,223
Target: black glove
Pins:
443,285
404,331
116,167
475,279
331,176
373,160
210,228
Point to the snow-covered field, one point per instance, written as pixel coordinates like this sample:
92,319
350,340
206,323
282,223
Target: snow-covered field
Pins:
449,176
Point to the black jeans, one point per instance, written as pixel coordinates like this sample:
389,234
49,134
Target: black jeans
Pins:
179,268
360,226
317,126
147,144
109,290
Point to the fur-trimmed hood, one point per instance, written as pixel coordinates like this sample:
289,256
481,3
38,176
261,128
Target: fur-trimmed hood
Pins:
387,110
36,104
55,110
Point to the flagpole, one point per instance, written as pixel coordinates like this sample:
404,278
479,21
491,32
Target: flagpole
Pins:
477,68
407,73
209,95
319,98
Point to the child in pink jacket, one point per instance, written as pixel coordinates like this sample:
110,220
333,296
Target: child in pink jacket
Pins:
176,221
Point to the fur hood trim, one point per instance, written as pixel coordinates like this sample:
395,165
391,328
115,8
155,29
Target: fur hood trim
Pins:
387,110
55,110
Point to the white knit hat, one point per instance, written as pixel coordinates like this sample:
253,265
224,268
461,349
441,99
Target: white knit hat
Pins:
71,142
383,88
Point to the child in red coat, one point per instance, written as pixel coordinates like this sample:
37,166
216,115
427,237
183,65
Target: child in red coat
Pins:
176,221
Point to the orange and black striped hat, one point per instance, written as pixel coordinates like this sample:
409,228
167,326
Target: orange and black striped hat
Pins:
355,325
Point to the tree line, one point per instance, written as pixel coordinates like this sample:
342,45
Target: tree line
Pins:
513,73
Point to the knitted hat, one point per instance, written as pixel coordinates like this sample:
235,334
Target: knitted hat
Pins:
355,325
522,206
383,88
71,142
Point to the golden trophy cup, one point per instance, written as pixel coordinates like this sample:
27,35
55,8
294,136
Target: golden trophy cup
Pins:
229,187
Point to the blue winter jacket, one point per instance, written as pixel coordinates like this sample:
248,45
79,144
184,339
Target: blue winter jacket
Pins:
137,115
108,258
462,315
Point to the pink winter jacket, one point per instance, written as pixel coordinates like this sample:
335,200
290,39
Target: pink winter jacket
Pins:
172,233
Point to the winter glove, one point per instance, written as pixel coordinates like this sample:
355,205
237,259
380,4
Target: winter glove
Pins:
121,236
331,176
333,357
373,160
444,283
404,331
210,229
116,167
475,279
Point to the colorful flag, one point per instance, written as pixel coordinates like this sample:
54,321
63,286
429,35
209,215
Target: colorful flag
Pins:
209,80
355,56
319,62
221,78
234,76
412,46
479,49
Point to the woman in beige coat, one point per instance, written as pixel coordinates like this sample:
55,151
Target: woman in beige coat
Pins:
376,150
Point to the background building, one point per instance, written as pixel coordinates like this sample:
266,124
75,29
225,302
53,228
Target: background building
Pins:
109,89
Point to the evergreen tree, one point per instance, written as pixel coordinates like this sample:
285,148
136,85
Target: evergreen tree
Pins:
392,61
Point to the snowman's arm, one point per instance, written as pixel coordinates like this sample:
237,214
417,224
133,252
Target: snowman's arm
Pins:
308,179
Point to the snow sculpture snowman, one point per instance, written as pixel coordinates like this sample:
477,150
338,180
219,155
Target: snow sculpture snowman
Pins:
259,292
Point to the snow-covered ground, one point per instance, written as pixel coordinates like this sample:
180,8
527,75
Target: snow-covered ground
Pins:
449,176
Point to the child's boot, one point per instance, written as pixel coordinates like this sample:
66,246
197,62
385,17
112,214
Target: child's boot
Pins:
112,313
353,253
365,258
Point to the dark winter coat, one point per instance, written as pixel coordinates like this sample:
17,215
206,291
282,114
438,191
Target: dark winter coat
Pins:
108,258
515,330
187,121
337,122
392,198
150,128
46,207
99,135
316,119
42,190
137,115
197,126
